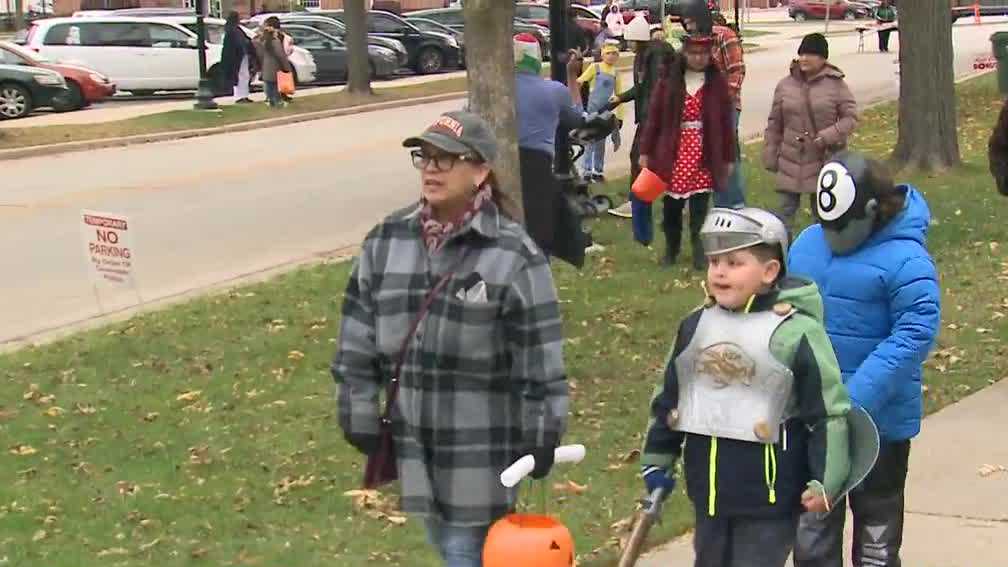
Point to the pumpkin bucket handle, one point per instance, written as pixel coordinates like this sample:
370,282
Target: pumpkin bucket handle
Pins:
525,465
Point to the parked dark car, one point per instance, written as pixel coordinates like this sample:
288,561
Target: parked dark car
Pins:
332,26
423,24
452,18
23,89
428,52
588,22
330,55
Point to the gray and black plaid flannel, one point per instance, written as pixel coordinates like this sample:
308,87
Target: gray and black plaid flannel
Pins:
483,379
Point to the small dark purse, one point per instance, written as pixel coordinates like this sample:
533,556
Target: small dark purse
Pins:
381,467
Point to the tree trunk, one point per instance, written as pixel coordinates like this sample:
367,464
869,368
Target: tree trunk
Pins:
928,132
491,72
19,16
358,64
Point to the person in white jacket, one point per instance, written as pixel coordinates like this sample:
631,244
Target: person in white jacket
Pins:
614,22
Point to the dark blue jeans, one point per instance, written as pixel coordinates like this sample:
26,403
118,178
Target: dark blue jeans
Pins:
458,546
272,93
733,196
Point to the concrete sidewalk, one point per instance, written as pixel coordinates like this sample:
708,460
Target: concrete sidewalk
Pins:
116,109
956,517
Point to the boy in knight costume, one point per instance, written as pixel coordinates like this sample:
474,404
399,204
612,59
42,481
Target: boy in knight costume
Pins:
882,302
752,399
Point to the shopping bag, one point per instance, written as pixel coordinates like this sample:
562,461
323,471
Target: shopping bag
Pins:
285,83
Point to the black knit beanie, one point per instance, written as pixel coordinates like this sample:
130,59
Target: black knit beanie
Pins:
814,44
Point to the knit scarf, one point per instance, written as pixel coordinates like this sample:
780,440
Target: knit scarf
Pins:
437,233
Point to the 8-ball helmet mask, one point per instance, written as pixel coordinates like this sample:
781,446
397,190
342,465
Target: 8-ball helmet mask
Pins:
848,195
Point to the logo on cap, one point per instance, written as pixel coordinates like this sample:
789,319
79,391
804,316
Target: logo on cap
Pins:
450,124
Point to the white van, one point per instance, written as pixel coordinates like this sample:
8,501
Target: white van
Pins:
140,55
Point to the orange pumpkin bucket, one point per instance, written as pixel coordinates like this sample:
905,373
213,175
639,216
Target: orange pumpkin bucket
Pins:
531,540
648,186
528,540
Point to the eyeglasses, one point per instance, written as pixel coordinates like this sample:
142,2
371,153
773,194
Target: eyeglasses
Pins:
442,162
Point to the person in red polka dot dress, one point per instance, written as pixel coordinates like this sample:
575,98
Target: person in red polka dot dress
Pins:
689,140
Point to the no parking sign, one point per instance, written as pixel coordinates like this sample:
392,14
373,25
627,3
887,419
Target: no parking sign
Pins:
984,63
107,247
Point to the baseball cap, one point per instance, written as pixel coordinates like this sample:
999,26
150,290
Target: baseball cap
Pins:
459,133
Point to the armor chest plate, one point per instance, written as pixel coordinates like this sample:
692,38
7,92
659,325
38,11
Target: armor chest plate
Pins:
730,384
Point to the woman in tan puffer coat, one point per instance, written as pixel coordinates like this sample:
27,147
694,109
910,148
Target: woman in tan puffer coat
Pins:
813,113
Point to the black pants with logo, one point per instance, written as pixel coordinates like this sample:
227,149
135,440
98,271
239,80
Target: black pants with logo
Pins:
877,507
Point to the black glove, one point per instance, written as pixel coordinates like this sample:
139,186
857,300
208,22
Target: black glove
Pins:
543,461
366,443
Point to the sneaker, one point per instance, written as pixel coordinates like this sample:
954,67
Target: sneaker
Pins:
624,211
594,249
599,178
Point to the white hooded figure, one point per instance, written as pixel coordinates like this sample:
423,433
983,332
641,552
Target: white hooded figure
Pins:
614,21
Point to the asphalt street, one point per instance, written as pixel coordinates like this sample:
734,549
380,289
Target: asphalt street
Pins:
210,210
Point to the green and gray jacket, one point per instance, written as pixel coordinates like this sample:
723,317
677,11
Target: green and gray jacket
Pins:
727,477
646,73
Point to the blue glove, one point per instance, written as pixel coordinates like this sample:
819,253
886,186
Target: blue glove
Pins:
657,477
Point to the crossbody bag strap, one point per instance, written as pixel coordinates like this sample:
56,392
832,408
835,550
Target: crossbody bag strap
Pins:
392,388
807,92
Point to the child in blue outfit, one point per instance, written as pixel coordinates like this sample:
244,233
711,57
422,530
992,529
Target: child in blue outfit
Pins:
880,288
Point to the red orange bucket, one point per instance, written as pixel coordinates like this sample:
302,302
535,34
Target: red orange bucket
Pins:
648,186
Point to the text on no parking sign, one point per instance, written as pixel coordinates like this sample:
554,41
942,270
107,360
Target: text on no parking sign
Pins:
107,247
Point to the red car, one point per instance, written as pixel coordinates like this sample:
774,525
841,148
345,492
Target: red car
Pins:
538,14
85,85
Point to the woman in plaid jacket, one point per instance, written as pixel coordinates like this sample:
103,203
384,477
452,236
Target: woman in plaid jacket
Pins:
482,378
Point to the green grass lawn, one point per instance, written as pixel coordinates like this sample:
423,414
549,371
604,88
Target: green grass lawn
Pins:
205,434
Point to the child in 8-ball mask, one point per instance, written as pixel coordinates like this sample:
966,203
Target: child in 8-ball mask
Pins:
869,257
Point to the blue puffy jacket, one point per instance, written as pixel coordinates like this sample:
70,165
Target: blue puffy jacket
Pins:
882,313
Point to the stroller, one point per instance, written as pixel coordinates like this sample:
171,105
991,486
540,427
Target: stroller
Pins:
597,126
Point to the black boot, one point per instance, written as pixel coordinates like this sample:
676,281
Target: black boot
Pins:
672,227
699,258
699,206
671,253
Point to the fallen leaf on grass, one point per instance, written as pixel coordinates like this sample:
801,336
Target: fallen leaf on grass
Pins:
295,355
54,411
126,488
396,520
570,487
151,417
23,450
189,396
113,551
632,456
376,505
148,546
85,409
39,535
